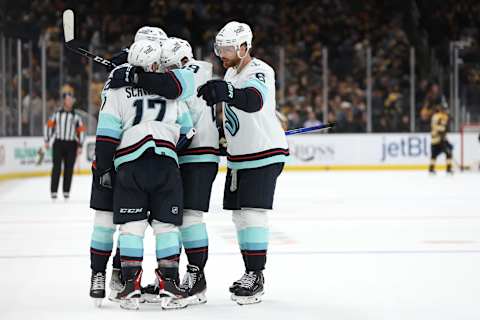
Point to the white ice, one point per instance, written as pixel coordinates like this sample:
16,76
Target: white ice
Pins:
344,245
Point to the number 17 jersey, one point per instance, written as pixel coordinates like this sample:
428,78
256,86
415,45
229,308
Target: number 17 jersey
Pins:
141,121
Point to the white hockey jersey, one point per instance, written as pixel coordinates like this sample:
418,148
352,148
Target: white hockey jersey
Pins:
140,121
204,145
254,139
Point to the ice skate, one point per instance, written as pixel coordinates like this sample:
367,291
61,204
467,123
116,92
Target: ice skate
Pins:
194,282
116,285
97,288
249,289
130,294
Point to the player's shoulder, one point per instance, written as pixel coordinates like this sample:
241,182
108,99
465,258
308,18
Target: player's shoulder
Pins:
257,65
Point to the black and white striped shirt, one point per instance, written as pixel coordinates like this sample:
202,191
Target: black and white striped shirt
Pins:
65,126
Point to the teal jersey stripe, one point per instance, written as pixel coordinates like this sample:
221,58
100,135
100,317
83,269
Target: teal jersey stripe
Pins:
136,154
104,246
259,85
185,122
198,158
109,121
109,133
194,232
187,82
195,244
257,163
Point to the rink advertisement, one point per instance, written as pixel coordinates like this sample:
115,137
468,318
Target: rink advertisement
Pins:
26,156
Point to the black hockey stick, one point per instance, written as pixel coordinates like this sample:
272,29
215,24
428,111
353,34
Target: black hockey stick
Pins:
69,34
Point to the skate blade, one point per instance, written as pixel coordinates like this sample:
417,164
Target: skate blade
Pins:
169,303
240,300
97,302
113,296
150,298
199,298
130,304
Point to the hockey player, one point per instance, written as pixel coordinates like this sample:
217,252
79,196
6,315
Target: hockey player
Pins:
256,147
198,166
101,200
140,131
440,144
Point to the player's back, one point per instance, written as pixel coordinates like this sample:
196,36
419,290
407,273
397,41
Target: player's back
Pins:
204,145
147,121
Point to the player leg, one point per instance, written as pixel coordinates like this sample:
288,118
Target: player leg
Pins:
249,193
435,151
100,250
130,212
197,181
252,234
448,148
166,203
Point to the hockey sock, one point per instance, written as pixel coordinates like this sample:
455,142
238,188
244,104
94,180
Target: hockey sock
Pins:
252,235
131,254
195,238
167,239
101,243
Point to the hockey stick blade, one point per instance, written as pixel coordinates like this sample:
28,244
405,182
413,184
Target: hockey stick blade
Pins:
68,25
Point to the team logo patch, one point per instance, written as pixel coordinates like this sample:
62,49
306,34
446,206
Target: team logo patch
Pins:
174,210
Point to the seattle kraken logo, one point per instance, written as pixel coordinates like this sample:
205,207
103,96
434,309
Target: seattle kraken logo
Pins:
231,123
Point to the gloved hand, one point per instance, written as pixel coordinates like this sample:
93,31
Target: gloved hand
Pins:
103,179
125,76
118,59
215,91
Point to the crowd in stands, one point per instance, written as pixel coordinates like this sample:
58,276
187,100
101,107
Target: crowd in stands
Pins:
288,34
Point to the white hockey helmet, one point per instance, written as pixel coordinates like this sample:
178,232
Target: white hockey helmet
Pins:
150,33
232,36
174,50
145,54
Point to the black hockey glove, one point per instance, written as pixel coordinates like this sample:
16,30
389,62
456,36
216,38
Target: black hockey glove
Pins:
103,179
124,77
118,59
185,140
215,91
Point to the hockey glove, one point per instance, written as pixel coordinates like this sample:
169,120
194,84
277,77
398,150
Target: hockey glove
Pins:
125,76
215,91
185,140
118,59
103,179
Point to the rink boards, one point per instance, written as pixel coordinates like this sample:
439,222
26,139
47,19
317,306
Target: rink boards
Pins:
26,156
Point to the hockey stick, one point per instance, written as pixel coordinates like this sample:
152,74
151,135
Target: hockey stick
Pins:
309,129
69,34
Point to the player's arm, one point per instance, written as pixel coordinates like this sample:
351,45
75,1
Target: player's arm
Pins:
184,120
109,133
175,84
249,97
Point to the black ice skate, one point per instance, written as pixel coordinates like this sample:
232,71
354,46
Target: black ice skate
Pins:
116,284
130,294
151,293
171,294
194,282
97,288
249,288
